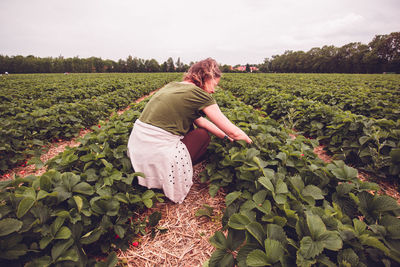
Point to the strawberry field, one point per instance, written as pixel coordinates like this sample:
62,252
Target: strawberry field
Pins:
357,117
38,109
284,205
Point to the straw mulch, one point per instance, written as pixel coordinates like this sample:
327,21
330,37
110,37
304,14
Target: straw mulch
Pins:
186,241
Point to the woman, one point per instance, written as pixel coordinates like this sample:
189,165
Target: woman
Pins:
164,144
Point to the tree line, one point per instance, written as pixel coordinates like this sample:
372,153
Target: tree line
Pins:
381,55
32,64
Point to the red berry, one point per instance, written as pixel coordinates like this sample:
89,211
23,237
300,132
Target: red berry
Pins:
117,237
302,155
135,244
99,126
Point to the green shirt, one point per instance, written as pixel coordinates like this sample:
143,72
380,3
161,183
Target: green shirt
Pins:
175,107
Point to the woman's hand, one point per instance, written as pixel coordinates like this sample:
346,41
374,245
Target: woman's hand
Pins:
244,136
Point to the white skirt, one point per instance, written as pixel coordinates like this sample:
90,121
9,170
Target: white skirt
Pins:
163,158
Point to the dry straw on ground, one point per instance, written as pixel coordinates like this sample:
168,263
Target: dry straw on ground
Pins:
186,241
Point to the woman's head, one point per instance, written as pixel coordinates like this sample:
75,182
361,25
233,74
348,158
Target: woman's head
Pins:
203,73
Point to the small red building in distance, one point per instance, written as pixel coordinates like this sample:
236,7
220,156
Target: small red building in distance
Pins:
243,68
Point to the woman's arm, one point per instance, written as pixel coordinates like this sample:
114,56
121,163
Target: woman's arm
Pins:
209,126
222,123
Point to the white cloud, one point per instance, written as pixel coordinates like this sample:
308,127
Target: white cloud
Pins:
235,31
348,23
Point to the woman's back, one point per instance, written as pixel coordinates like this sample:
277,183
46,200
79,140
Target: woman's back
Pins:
175,107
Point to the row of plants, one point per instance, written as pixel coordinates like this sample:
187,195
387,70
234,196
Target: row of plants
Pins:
85,206
287,207
34,123
29,92
26,93
375,96
370,144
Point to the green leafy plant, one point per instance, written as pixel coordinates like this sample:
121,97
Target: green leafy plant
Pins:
86,204
286,207
208,211
48,108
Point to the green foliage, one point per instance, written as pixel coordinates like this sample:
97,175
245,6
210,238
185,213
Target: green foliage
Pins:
289,208
207,211
284,207
38,109
356,117
86,203
378,56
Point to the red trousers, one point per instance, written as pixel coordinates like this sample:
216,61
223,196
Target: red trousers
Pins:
197,141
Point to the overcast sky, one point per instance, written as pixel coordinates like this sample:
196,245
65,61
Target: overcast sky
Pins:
231,31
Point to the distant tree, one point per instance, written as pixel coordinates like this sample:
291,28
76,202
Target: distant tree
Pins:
381,54
142,66
122,66
226,68
152,65
170,65
164,67
385,51
265,66
393,47
109,66
185,67
351,58
130,67
179,65
44,65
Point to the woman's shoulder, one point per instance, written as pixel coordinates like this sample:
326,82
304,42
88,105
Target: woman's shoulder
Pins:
177,84
187,88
